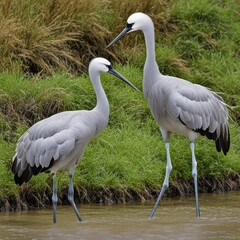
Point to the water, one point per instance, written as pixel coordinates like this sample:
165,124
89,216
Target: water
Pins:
174,219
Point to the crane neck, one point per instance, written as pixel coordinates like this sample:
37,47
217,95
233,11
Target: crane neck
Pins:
151,70
150,45
102,101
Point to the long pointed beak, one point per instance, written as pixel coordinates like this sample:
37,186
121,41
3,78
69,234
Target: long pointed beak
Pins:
117,74
124,32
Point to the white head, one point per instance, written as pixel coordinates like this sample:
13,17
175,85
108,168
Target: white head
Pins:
98,65
137,21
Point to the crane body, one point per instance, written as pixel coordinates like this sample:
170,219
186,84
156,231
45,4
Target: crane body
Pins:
58,142
177,105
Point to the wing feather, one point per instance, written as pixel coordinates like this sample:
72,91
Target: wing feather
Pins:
199,109
46,142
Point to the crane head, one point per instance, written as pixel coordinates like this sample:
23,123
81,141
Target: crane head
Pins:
99,65
136,21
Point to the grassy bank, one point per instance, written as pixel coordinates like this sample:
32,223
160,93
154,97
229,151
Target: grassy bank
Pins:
127,162
41,62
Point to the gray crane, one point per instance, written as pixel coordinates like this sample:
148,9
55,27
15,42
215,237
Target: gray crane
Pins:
58,142
177,105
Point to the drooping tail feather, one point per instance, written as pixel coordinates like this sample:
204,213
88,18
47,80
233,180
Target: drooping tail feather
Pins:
222,139
21,176
223,142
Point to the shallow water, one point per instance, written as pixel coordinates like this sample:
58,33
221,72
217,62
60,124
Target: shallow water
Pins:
174,219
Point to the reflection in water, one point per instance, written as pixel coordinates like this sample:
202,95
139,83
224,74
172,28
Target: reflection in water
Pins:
174,219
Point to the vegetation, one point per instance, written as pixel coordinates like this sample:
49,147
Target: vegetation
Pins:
45,48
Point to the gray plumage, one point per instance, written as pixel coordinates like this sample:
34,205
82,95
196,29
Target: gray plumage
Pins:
177,105
58,142
49,144
186,108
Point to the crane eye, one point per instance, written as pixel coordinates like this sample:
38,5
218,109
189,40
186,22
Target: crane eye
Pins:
109,67
129,25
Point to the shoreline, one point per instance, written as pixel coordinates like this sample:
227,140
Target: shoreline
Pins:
29,200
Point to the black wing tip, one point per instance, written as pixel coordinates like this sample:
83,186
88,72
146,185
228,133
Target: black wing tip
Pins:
28,172
20,180
25,177
14,165
15,168
222,142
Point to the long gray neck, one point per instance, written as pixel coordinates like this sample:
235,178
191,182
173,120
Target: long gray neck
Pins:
102,101
150,45
151,70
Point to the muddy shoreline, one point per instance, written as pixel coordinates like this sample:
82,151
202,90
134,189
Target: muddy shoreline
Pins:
29,199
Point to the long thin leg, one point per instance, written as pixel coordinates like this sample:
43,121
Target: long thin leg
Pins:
54,197
166,180
71,198
194,174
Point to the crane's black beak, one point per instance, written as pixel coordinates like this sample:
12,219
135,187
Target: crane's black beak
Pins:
117,74
123,33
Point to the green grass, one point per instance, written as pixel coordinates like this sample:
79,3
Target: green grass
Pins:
129,155
195,40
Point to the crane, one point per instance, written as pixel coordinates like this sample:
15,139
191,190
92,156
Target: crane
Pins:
178,106
58,142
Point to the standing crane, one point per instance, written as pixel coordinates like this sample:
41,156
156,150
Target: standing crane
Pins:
177,105
58,142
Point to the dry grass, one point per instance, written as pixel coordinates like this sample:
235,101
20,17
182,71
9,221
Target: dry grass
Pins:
117,13
43,35
40,36
158,10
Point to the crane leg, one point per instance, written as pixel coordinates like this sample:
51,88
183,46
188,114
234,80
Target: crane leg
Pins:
166,180
54,198
194,174
71,197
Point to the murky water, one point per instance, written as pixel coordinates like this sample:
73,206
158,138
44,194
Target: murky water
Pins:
174,219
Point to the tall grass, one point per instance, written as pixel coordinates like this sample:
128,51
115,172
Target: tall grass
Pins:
40,36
